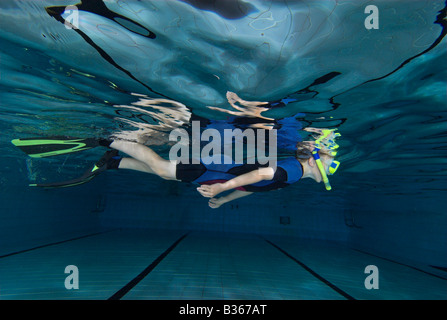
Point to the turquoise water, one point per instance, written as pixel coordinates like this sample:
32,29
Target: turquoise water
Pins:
104,72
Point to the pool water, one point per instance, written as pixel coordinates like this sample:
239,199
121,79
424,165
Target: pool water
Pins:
136,70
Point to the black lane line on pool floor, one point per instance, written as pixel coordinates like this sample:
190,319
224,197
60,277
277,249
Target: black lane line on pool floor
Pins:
402,264
124,290
55,243
316,275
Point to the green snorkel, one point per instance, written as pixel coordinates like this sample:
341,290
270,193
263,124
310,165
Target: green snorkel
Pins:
331,145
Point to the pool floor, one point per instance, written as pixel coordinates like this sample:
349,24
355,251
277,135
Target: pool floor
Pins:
147,264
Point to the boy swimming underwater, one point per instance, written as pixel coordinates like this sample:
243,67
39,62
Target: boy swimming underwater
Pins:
312,159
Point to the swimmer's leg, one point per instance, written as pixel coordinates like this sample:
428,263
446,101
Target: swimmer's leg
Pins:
133,164
152,161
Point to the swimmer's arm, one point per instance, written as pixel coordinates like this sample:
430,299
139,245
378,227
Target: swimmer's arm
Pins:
251,177
236,194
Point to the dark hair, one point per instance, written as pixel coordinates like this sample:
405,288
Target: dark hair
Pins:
303,151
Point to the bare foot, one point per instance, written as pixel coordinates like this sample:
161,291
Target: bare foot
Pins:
209,191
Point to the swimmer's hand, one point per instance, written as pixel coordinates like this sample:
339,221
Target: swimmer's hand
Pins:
245,108
209,191
236,194
216,202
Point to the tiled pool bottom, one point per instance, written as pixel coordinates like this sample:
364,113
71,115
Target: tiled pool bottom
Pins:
147,264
